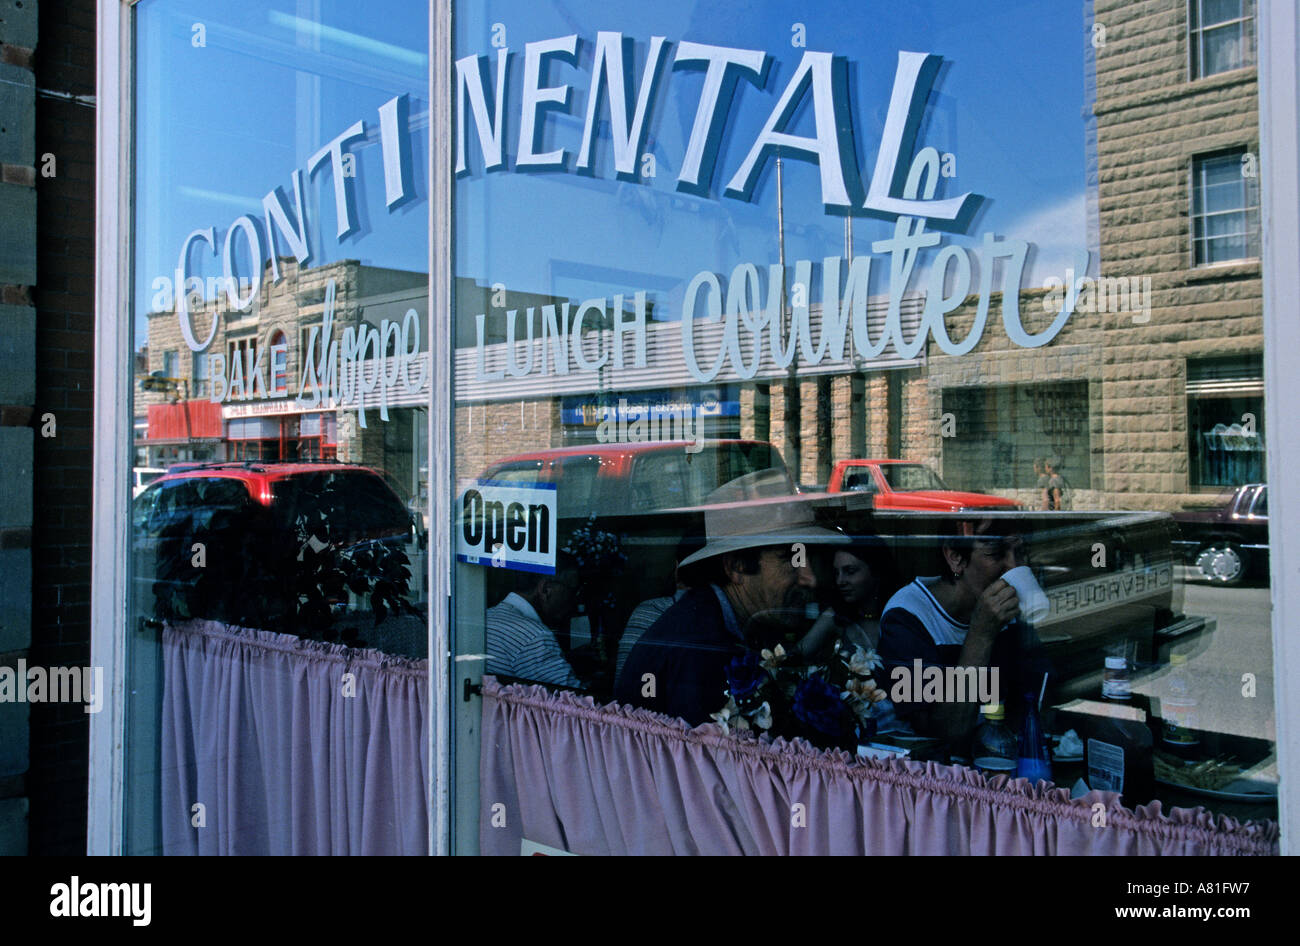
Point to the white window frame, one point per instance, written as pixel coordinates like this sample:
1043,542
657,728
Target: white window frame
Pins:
1279,104
1196,37
1194,187
111,521
200,374
114,442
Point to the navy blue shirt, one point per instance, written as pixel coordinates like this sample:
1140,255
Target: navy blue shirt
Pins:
687,651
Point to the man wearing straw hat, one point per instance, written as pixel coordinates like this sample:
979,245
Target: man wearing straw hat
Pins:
753,568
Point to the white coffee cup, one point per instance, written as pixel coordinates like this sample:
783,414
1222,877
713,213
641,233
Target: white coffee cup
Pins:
1034,605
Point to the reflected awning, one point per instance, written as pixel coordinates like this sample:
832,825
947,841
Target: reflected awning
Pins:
185,421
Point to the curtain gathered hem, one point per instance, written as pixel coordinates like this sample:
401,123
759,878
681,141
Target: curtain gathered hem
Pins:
213,636
271,744
1186,830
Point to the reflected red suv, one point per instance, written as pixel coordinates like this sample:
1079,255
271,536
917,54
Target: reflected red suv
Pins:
268,544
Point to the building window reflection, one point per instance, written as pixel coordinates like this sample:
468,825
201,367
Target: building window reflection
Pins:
1221,36
1225,421
1225,208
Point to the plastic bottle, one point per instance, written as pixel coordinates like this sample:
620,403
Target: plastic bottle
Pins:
993,747
1179,707
1114,681
1033,762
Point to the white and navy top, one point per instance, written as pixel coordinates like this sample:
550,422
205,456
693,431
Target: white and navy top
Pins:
915,625
920,615
638,622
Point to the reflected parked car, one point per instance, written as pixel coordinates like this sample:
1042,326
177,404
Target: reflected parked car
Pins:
629,478
270,545
903,484
142,476
1227,541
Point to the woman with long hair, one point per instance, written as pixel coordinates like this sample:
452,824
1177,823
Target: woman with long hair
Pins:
863,578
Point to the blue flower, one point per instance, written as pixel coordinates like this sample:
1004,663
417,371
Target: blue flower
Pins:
745,677
818,706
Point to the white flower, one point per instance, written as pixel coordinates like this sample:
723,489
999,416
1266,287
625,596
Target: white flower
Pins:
723,717
771,659
763,716
864,690
863,661
729,717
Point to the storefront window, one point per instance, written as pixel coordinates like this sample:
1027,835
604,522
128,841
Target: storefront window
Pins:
1005,436
1225,408
278,599
795,363
849,419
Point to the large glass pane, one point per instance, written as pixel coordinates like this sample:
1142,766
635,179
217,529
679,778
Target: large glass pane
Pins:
278,611
805,334
1221,35
1225,208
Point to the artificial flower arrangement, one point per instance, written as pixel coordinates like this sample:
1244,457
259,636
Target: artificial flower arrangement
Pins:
600,558
835,703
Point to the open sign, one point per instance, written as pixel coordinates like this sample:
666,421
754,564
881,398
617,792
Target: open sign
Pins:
508,526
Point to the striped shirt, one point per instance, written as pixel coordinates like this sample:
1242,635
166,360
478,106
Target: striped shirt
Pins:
520,645
638,622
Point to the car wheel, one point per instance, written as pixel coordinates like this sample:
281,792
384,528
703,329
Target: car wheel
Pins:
1221,564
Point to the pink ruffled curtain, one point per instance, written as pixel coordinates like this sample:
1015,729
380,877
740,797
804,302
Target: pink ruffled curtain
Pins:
616,780
260,729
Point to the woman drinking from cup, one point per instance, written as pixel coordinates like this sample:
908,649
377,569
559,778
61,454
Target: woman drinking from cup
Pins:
969,616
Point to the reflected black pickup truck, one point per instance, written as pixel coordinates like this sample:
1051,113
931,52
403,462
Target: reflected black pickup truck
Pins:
1227,541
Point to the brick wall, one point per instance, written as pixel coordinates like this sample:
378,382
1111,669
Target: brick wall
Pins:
65,324
876,406
813,446
1151,122
487,432
18,31
748,417
842,416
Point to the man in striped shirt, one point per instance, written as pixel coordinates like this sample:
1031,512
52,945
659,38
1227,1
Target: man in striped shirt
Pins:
520,639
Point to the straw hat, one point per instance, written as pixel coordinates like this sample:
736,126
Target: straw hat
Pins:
732,525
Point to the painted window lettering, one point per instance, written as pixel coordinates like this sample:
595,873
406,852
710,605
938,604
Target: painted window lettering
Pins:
261,237
820,75
901,186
